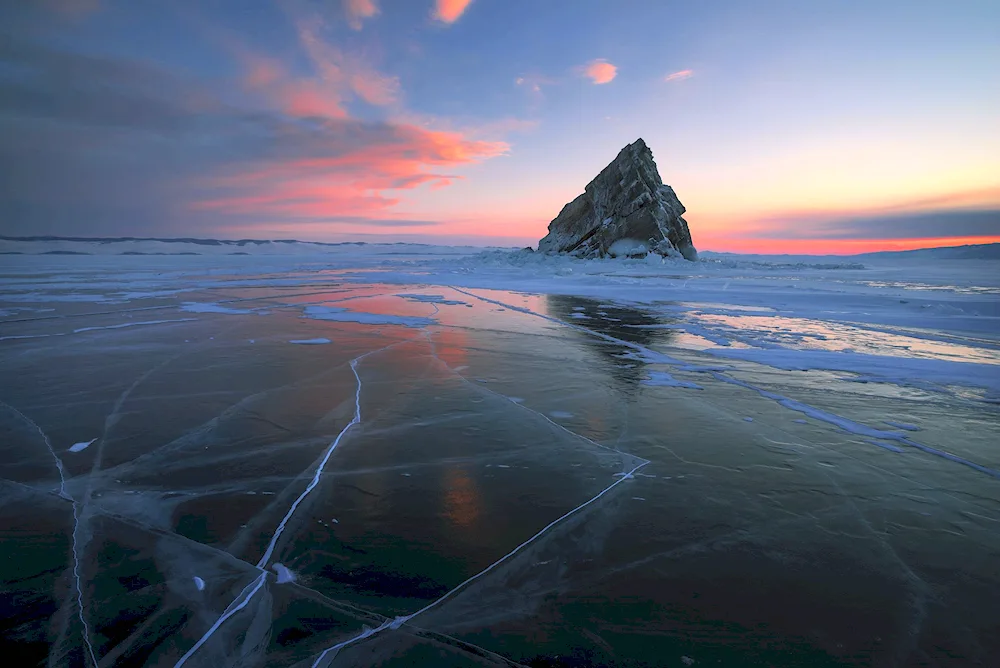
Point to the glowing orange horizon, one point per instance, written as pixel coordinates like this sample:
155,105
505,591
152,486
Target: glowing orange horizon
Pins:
833,246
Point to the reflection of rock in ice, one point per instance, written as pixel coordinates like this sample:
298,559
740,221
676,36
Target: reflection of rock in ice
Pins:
82,445
284,575
199,583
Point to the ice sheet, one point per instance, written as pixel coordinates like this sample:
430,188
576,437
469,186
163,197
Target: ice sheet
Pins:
481,417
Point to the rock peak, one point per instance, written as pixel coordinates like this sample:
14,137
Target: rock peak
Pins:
625,210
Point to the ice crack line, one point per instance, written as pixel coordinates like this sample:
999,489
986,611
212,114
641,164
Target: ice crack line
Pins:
76,525
791,404
243,599
399,621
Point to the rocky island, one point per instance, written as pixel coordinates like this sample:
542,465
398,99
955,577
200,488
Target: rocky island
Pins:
626,210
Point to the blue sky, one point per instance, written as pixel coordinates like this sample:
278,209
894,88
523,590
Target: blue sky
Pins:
810,126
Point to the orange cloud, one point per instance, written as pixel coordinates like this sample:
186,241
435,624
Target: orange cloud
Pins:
679,76
359,10
600,71
448,11
361,164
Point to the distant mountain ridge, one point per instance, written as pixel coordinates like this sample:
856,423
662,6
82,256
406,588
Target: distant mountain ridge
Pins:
967,252
57,245
188,240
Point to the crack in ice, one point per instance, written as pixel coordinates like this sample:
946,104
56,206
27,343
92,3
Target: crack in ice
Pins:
399,621
262,563
76,525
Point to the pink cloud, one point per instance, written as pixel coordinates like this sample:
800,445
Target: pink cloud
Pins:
350,181
309,99
679,76
346,72
600,71
359,10
261,72
449,11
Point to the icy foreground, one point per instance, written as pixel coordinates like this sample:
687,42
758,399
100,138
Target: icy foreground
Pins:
438,457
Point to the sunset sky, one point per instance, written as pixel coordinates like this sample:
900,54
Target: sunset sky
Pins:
799,127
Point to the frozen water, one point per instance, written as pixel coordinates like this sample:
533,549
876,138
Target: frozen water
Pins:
498,459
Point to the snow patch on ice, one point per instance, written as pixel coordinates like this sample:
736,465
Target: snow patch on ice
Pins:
561,414
664,379
310,342
875,368
199,583
198,307
284,575
81,446
433,299
340,314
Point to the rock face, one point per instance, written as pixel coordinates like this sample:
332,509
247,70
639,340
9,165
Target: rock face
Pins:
625,210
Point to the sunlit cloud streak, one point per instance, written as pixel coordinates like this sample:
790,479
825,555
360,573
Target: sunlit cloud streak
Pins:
679,76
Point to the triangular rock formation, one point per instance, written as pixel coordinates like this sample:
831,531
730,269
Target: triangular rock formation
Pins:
625,210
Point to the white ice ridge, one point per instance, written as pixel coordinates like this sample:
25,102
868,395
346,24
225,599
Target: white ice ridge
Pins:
243,599
133,324
76,523
651,356
399,621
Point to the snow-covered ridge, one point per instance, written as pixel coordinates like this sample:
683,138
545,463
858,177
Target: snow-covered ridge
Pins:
47,245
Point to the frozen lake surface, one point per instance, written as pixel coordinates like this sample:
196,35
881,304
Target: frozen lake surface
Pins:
404,455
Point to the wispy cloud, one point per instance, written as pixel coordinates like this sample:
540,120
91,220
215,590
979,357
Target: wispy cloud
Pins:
533,82
679,75
343,73
359,10
600,71
190,162
449,11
